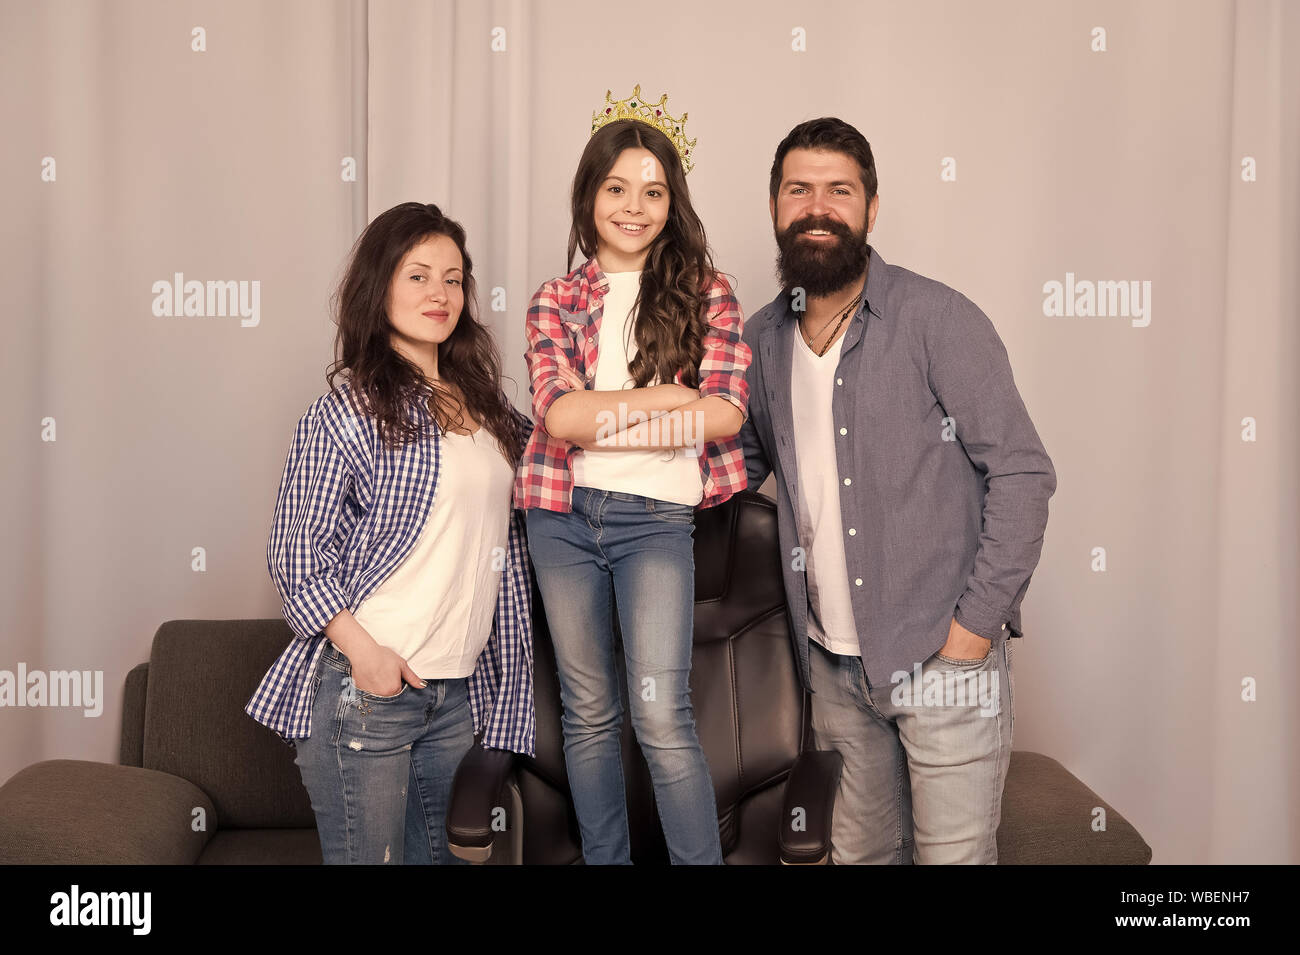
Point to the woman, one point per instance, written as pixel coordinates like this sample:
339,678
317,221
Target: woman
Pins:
402,568
644,328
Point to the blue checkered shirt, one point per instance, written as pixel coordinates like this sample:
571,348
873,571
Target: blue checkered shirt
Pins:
348,512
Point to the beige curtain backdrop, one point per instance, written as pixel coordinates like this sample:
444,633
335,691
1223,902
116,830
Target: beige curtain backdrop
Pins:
1017,144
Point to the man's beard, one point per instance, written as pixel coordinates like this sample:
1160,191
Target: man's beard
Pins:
820,267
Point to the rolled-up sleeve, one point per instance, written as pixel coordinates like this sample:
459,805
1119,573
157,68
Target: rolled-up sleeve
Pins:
726,356
548,350
301,555
971,376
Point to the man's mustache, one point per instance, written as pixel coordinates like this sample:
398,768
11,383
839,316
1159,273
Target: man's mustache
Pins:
826,225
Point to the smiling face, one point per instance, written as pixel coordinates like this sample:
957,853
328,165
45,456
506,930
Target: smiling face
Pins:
821,219
425,299
630,210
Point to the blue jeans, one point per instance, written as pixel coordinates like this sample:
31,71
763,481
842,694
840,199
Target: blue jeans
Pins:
379,768
641,552
924,760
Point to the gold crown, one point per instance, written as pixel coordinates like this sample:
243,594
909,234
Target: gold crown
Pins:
655,115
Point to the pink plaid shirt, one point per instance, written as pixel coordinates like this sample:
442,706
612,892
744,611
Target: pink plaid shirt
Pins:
564,326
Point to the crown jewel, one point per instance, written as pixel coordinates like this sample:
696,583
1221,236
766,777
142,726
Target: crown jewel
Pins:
654,114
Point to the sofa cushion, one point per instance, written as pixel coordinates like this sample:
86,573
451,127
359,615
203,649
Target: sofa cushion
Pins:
74,812
263,847
1047,818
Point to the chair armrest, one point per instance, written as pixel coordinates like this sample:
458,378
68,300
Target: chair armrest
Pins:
73,812
482,796
805,834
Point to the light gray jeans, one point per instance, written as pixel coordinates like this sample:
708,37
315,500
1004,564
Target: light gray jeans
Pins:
925,758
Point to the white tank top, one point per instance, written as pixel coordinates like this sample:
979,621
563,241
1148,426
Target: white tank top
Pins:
436,608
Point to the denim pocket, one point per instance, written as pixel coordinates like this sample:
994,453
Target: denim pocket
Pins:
351,691
965,664
672,513
365,695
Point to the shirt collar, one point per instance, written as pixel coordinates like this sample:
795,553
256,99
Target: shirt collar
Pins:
420,404
873,294
594,277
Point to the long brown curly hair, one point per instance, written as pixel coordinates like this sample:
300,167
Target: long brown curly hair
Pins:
670,322
386,381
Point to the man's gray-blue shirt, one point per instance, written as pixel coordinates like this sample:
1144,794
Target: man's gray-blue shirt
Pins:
944,482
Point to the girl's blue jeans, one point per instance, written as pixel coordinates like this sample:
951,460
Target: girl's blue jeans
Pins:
639,551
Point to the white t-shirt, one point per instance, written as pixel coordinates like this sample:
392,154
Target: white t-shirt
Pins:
667,474
436,608
830,607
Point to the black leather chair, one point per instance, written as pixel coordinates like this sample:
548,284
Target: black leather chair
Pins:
774,792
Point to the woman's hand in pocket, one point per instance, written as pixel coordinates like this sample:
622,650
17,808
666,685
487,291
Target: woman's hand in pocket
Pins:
381,671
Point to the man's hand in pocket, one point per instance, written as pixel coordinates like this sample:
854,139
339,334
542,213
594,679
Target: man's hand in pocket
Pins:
964,645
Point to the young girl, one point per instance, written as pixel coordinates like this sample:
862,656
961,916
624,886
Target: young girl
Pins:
402,568
645,327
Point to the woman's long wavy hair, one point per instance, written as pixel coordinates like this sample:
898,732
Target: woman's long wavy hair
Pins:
385,380
670,321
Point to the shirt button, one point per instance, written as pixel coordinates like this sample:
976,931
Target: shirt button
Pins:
839,381
848,481
852,531
858,582
844,430
590,338
1004,626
